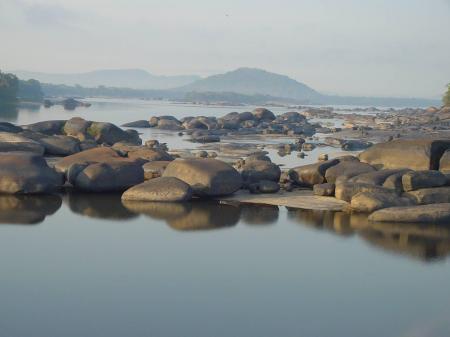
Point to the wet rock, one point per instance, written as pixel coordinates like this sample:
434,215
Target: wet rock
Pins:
166,189
415,154
207,177
27,173
371,201
154,169
106,177
437,213
137,124
13,142
325,190
257,170
55,127
345,191
310,175
262,114
415,180
433,195
346,170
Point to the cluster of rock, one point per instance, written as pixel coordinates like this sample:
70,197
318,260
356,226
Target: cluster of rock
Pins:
399,181
209,129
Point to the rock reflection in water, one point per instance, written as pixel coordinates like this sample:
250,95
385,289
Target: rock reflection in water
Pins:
421,241
22,209
196,215
98,205
259,215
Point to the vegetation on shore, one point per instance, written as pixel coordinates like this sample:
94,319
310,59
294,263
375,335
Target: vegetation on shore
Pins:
13,90
446,98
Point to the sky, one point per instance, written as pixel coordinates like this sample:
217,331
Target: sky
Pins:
347,47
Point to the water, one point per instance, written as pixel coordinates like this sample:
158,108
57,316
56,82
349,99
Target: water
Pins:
86,265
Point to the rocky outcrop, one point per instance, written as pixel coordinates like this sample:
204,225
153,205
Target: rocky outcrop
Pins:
310,175
437,213
207,177
167,189
27,173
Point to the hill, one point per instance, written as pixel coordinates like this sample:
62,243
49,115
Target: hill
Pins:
250,81
121,78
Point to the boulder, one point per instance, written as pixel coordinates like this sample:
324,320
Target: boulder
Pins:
345,191
371,201
167,123
154,169
394,181
105,177
346,170
437,213
60,145
262,114
256,170
324,190
415,154
14,142
27,173
166,189
444,163
415,180
108,133
310,175
150,154
137,124
355,145
377,177
264,186
435,195
76,126
50,128
8,127
207,177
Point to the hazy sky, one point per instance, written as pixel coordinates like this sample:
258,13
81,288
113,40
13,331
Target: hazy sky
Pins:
351,47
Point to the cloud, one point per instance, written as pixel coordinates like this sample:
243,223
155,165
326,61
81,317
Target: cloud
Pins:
41,14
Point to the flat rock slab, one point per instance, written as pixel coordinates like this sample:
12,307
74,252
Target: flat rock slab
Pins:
304,199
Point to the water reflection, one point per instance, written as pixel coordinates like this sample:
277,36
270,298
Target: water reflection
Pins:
259,215
17,209
422,241
8,112
98,205
196,215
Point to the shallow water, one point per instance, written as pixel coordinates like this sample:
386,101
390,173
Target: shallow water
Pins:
87,265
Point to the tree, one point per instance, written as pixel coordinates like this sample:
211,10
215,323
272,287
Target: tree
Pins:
446,98
9,85
30,91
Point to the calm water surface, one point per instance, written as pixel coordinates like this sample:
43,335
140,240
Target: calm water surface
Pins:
87,265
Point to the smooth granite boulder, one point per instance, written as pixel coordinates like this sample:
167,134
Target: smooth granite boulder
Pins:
256,170
369,202
262,114
324,190
13,142
435,195
150,154
437,213
415,180
346,170
345,191
310,175
168,189
27,173
108,133
376,177
207,177
414,154
105,177
60,145
137,124
444,164
154,169
50,128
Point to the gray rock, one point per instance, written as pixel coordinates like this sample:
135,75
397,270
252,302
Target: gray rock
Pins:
371,201
55,127
437,213
14,142
108,133
257,170
137,124
207,177
264,186
345,191
262,114
355,145
310,175
444,163
150,154
346,170
325,190
415,180
27,173
377,177
435,195
60,145
166,189
76,126
154,169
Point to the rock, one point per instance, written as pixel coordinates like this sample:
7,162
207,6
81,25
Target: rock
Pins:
257,170
264,186
415,154
437,213
308,147
154,169
50,128
323,157
355,145
205,139
152,143
258,156
346,170
60,145
394,181
137,124
13,142
8,127
415,180
27,173
206,123
150,154
201,154
207,177
160,189
106,177
444,163
345,191
325,190
262,114
108,133
96,155
310,175
371,201
168,123
378,177
435,195
76,126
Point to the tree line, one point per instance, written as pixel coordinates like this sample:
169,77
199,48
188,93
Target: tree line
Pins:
12,89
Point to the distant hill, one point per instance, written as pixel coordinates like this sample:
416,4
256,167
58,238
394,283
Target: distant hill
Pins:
250,81
121,78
